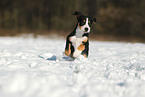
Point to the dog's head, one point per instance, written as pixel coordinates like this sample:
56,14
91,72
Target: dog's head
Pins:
84,22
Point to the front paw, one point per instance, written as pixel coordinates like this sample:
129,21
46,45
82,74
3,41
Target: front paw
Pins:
68,51
76,53
73,39
84,39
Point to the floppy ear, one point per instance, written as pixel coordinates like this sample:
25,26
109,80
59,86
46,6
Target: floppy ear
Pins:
77,13
94,20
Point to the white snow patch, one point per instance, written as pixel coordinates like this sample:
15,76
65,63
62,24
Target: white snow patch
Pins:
36,67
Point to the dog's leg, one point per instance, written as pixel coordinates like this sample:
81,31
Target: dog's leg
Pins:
73,39
76,53
68,49
84,39
81,47
85,55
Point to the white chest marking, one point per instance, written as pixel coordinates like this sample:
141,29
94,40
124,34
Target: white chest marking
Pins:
76,42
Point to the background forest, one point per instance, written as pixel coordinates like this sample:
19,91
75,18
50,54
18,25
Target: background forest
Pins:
122,19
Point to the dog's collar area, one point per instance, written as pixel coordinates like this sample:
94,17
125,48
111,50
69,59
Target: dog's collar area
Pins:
79,32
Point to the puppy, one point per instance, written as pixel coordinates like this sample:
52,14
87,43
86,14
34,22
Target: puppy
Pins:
77,42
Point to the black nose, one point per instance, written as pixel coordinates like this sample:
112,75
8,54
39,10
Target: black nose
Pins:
86,29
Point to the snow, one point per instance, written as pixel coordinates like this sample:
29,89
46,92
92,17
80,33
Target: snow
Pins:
34,67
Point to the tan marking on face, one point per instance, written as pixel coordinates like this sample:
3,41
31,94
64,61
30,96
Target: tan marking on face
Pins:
79,26
81,47
67,52
86,40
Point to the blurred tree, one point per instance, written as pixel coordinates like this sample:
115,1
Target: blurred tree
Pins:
114,17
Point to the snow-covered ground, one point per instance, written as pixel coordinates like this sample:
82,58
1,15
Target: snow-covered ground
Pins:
33,67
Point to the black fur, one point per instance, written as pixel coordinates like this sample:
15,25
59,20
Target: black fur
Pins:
80,19
85,51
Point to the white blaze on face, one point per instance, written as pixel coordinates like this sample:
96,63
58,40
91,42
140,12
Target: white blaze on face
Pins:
81,29
86,26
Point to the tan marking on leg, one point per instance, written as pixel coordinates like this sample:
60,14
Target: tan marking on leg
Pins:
81,47
67,52
85,55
